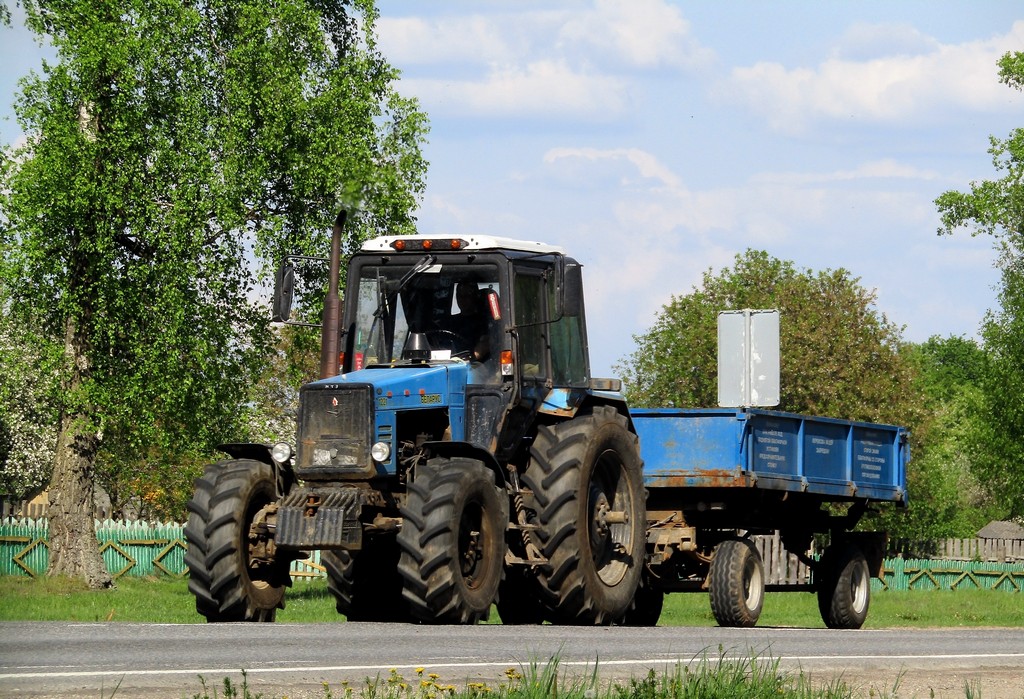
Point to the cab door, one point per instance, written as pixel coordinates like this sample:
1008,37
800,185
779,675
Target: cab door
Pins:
551,349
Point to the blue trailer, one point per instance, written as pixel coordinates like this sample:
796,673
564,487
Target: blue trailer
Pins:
716,476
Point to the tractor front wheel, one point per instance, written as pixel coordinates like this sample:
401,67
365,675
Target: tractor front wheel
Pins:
452,541
232,571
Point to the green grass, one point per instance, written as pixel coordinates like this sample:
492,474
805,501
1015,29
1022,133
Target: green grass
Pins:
708,678
165,600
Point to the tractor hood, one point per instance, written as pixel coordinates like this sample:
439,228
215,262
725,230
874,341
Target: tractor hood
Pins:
404,387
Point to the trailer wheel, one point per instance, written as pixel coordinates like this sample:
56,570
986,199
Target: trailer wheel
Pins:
844,587
452,541
365,584
585,474
228,571
736,583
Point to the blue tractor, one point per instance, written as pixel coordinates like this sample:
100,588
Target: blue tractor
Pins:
456,453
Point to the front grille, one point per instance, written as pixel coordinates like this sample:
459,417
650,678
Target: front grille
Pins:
324,518
335,428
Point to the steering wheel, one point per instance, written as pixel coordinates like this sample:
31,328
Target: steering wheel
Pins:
449,340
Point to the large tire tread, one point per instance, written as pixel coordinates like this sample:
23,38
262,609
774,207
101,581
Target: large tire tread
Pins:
226,498
365,584
431,539
199,577
565,459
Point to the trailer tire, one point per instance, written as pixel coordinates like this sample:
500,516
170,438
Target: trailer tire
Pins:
736,583
226,584
581,470
844,588
452,541
365,584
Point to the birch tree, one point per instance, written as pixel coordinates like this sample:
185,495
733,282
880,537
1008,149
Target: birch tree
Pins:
176,149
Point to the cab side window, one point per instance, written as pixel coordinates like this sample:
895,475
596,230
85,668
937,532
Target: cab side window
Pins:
568,348
530,314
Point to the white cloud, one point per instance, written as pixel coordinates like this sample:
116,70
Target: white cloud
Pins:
645,163
564,63
899,86
864,42
549,89
410,41
641,33
886,168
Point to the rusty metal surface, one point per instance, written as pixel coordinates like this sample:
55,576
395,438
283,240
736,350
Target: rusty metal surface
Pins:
325,518
705,478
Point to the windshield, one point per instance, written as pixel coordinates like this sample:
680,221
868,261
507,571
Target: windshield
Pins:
427,310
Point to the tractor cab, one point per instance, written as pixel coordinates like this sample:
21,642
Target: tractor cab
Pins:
497,304
504,316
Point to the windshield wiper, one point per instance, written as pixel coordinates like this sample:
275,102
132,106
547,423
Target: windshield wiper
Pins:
384,289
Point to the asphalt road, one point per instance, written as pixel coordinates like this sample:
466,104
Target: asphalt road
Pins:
50,659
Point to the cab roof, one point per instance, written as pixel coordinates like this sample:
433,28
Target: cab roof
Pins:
440,243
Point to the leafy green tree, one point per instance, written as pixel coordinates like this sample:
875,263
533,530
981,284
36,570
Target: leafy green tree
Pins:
840,356
175,150
28,435
996,208
947,499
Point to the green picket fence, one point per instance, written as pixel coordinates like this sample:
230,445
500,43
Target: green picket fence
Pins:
929,574
140,549
136,549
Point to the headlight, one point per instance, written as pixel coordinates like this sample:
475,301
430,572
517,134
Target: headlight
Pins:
281,452
381,452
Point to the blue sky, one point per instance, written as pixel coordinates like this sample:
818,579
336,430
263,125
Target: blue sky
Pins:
657,139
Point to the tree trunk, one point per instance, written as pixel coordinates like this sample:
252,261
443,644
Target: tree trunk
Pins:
74,550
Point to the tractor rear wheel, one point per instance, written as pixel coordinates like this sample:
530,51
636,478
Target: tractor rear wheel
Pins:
585,474
365,583
452,541
229,571
647,604
736,583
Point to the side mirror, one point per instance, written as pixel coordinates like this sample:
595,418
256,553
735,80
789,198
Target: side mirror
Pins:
571,288
284,286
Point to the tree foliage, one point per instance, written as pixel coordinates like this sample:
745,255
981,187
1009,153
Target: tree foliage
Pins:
840,356
996,208
947,499
176,149
28,435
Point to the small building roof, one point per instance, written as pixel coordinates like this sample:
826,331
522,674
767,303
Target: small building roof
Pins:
1001,530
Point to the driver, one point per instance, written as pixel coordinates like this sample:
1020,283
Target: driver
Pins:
473,321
